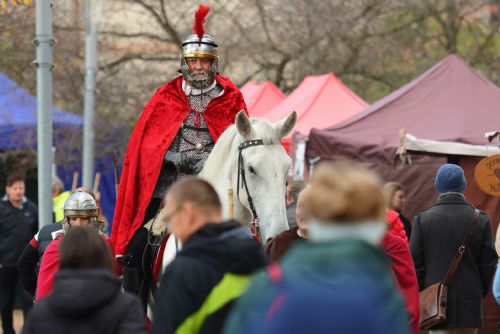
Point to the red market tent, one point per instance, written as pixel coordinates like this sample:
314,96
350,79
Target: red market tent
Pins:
320,101
449,102
260,98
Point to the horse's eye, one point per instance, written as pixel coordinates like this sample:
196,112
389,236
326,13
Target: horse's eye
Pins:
251,170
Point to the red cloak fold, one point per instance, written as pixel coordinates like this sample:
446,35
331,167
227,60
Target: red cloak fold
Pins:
154,132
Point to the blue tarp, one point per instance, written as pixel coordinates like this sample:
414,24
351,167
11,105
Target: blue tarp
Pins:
18,107
18,126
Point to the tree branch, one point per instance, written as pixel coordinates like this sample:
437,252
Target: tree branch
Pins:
127,58
135,35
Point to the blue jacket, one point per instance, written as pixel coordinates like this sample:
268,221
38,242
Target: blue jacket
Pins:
496,285
344,286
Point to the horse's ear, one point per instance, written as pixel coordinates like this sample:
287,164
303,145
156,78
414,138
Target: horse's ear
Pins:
243,125
285,126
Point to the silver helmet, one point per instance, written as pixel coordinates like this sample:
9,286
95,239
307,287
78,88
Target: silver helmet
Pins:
200,45
81,204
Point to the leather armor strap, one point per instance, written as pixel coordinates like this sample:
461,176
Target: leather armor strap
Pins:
461,250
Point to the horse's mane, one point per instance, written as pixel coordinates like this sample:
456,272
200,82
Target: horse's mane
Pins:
226,147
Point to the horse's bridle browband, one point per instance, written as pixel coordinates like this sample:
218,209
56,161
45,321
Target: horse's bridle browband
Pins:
241,166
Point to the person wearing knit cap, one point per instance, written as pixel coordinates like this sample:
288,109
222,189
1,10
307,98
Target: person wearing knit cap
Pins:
437,234
450,178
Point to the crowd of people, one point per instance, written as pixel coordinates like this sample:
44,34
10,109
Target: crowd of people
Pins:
342,262
350,262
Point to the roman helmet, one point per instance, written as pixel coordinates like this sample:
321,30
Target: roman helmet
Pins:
81,204
200,45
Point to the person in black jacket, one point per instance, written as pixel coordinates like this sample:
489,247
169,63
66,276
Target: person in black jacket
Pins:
18,224
87,297
213,268
29,261
437,234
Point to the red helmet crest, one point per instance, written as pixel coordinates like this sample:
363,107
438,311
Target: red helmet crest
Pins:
199,20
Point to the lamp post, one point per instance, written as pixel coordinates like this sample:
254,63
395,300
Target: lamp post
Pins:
43,63
91,19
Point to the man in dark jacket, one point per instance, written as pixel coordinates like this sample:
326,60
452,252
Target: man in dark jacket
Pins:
29,261
437,234
18,224
213,268
278,246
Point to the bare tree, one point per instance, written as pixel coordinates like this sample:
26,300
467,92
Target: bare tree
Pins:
374,46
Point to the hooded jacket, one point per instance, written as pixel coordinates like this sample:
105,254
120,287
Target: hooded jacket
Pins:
86,301
341,286
211,271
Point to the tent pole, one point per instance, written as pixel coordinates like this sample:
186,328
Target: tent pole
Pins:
43,63
89,97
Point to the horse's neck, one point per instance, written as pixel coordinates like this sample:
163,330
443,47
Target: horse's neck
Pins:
224,180
241,213
221,170
223,186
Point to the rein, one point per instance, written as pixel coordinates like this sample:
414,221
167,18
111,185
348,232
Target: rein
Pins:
254,225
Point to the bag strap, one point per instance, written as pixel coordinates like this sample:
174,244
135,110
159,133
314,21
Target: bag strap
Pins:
461,250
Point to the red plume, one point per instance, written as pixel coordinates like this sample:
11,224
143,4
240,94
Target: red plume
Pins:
199,20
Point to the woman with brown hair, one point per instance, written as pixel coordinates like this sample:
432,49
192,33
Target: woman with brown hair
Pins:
395,200
86,297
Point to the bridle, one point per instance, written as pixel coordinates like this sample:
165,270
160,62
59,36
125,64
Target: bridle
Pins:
254,225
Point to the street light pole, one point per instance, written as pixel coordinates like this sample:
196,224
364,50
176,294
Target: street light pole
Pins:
89,96
43,63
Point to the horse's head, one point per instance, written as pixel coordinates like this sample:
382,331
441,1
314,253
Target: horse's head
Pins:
266,167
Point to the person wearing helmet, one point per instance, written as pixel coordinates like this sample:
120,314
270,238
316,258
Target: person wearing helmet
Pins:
80,210
29,262
171,140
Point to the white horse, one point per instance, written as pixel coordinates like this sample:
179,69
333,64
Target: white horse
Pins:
266,167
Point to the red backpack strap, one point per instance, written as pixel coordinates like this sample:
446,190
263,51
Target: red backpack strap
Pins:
276,276
275,272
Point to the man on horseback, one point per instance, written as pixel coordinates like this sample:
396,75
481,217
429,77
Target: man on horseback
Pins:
172,139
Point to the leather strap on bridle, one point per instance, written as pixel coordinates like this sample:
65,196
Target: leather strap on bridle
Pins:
254,227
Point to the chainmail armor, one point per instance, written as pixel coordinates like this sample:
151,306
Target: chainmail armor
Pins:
186,139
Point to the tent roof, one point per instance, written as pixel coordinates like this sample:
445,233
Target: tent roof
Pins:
320,101
449,102
19,108
260,98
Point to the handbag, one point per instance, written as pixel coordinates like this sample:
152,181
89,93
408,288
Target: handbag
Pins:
433,299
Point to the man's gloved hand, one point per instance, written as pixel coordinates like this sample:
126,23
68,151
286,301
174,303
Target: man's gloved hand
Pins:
199,166
180,162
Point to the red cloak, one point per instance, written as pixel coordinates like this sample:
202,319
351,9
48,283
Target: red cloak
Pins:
154,132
